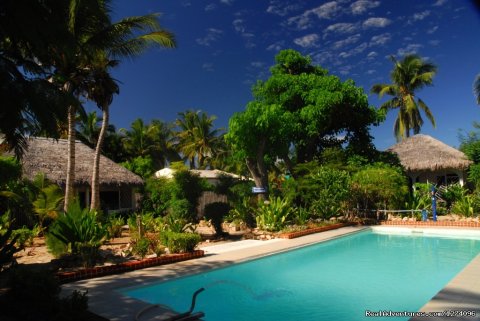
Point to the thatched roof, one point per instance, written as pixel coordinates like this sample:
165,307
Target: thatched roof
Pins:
425,153
50,156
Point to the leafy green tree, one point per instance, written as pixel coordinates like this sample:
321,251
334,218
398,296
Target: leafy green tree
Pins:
141,165
409,75
300,110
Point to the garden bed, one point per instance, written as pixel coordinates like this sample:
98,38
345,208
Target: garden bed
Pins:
94,272
292,235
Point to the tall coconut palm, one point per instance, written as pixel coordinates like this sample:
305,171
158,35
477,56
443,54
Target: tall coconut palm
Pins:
197,139
476,88
409,75
89,128
92,35
105,87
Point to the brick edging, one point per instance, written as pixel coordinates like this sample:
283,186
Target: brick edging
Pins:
88,273
431,223
293,235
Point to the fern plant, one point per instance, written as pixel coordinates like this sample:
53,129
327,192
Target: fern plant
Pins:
464,206
272,215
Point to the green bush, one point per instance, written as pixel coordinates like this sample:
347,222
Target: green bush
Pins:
464,206
242,211
301,215
77,232
327,190
180,242
216,213
451,194
379,186
115,226
24,236
272,215
420,197
141,246
34,295
7,246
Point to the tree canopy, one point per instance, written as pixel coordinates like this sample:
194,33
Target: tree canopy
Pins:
299,111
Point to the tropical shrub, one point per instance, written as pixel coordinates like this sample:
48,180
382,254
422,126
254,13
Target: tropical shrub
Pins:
464,206
327,190
420,198
24,236
48,201
301,215
115,226
451,194
216,213
474,175
242,211
180,242
141,246
7,246
189,187
77,232
379,186
273,214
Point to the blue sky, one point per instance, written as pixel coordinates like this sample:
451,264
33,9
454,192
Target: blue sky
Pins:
224,46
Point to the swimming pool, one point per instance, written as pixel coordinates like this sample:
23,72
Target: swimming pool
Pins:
339,279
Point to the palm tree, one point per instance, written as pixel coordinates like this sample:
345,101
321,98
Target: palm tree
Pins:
164,150
94,40
197,139
30,102
89,128
476,88
408,76
138,139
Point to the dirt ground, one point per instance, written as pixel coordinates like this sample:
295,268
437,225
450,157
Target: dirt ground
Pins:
114,251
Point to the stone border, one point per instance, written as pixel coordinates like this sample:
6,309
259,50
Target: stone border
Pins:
293,235
89,273
431,223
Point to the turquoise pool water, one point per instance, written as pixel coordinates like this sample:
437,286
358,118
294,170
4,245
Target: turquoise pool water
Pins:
335,280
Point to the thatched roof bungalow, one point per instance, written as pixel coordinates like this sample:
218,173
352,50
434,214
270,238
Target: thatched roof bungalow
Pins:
427,159
50,156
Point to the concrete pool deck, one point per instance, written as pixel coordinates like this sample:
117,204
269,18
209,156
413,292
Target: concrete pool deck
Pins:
463,292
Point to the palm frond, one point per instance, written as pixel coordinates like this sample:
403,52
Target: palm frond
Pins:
427,112
476,88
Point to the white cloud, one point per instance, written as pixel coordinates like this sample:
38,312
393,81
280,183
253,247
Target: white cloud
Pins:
208,66
277,46
380,40
229,2
371,71
376,22
409,49
355,51
434,42
307,41
339,28
362,6
210,7
432,30
248,37
439,3
281,9
345,42
238,25
257,64
420,15
328,10
372,55
212,36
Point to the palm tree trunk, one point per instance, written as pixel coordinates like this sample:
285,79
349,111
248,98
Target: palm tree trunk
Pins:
95,185
70,180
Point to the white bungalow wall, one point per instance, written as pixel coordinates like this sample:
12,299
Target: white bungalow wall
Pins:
447,176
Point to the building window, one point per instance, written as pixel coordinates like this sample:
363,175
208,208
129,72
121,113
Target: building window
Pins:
447,179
